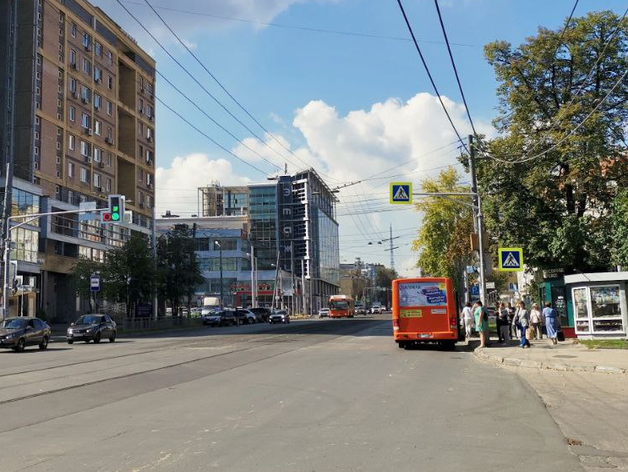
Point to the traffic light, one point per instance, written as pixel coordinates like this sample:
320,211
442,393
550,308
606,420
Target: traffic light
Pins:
115,211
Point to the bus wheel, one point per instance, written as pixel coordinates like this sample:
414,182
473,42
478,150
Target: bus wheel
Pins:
401,344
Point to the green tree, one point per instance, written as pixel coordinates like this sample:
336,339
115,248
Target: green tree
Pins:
620,227
563,117
83,271
178,269
128,274
443,241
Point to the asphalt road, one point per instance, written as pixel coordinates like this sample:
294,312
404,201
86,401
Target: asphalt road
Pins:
320,395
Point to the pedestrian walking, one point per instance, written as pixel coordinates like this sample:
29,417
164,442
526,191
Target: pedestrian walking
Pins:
481,322
551,322
503,323
467,320
522,321
536,322
511,318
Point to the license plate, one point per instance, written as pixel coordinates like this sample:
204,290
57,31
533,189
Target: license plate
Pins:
425,335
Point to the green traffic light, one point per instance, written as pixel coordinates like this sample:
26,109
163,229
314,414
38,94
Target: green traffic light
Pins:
115,216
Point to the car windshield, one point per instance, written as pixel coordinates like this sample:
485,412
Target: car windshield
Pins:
88,319
14,323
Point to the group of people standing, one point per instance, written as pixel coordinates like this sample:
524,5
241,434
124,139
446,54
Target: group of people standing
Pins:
511,322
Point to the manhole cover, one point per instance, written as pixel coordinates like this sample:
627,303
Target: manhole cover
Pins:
565,356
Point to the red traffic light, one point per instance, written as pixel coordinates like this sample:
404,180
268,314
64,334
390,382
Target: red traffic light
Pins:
106,216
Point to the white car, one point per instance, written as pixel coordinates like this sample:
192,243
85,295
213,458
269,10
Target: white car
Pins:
323,313
376,309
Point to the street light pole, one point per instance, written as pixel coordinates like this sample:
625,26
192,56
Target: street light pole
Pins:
217,243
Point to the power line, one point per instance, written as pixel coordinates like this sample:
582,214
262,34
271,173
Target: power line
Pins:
453,64
181,66
215,122
429,74
299,27
226,91
210,138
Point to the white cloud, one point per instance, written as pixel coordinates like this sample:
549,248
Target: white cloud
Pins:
346,148
177,186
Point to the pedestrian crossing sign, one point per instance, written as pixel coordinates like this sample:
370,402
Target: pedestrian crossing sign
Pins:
401,193
510,259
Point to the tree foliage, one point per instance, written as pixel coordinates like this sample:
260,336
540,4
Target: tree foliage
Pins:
564,109
443,241
178,269
128,274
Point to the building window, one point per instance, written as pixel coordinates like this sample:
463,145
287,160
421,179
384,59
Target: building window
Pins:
597,309
96,180
72,114
71,142
149,133
110,82
86,94
98,48
85,120
97,155
85,149
83,175
109,133
108,187
97,101
109,58
87,40
71,169
73,30
141,83
97,127
87,67
108,159
140,175
109,108
72,57
141,108
72,85
97,74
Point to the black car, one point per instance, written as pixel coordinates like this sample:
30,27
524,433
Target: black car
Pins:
17,333
262,314
221,318
92,328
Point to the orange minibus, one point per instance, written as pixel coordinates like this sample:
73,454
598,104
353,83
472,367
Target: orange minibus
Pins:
341,306
424,311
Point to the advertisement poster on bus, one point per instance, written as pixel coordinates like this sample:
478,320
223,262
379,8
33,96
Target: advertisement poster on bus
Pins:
422,294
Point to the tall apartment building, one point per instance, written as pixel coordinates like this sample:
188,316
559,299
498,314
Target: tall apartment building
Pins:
79,125
292,224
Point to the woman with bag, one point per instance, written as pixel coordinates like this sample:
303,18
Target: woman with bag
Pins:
522,321
536,322
481,322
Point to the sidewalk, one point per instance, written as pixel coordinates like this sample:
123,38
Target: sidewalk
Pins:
566,356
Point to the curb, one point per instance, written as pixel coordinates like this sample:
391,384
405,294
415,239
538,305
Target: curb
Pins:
482,355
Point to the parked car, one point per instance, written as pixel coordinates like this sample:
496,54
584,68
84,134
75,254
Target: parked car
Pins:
262,314
360,310
376,309
279,316
246,316
92,328
323,313
220,318
17,333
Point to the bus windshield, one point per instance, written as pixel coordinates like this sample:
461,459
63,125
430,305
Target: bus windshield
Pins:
338,305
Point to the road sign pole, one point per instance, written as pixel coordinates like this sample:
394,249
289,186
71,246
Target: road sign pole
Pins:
479,218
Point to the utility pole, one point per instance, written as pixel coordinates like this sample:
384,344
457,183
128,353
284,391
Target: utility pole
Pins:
392,250
155,299
478,217
222,302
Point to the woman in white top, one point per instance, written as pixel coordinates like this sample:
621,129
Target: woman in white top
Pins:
536,321
467,320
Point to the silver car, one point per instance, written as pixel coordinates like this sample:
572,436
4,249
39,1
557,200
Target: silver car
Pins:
279,316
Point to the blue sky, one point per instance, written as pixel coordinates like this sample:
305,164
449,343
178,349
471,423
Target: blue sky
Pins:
339,101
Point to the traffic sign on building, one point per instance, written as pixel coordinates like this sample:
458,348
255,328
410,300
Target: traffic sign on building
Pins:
510,259
401,193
